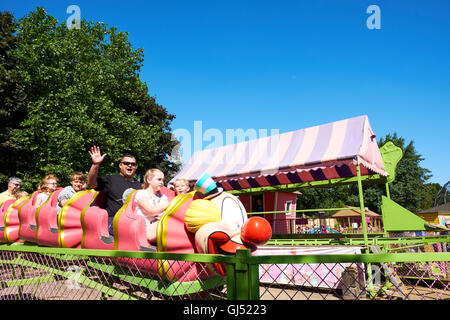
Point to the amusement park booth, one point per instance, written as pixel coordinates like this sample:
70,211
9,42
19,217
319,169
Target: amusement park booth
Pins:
439,215
350,217
328,155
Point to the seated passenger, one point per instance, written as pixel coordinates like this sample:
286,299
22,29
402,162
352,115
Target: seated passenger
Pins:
21,194
48,185
181,185
151,203
78,183
13,185
113,186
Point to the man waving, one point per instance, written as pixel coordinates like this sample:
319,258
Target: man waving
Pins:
112,185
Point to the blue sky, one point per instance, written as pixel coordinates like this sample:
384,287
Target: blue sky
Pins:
289,65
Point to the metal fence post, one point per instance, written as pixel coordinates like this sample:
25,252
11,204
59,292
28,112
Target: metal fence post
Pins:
231,281
243,278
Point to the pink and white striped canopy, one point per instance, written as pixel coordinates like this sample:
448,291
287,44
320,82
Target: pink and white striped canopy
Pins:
322,152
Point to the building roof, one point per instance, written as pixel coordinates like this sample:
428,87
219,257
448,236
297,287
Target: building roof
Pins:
354,213
323,152
443,208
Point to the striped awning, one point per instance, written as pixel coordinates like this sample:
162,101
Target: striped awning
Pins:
322,152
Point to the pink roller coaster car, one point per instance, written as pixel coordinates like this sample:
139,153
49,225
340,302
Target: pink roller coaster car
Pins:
83,223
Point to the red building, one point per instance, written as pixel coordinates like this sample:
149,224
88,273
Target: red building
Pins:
281,222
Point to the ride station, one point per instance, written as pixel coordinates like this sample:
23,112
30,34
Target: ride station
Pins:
211,242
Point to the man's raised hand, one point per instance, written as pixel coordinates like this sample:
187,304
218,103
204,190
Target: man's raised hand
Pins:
96,156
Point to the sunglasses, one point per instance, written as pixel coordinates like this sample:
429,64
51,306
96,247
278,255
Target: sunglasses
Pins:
133,164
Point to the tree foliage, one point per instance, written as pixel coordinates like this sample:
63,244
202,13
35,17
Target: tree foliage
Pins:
12,96
83,89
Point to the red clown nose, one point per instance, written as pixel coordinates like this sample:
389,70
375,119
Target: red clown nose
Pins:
256,231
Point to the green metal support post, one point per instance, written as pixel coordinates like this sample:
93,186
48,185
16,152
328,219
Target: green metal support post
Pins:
361,205
364,224
387,190
243,277
388,195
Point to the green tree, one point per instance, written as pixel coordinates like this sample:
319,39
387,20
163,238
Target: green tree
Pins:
83,89
431,190
12,97
322,198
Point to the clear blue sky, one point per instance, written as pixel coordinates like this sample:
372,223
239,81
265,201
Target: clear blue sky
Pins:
289,65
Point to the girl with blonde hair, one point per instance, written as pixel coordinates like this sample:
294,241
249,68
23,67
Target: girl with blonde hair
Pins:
48,185
181,185
151,203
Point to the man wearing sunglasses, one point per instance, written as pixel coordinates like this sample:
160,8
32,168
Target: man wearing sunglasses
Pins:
13,185
112,185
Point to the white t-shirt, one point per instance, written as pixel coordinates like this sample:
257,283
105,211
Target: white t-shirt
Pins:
43,197
154,199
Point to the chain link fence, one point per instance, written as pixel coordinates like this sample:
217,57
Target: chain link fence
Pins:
357,281
37,273
45,275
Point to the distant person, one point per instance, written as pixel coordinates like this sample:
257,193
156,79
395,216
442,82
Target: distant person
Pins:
181,186
258,208
48,185
112,185
14,184
77,183
151,203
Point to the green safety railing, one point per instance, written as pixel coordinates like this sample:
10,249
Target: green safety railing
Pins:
32,272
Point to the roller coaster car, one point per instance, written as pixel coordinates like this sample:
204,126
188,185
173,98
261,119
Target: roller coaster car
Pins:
94,225
46,233
10,220
71,217
3,209
27,218
83,223
129,228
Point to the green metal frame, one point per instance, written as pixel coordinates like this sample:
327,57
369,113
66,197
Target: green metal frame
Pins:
357,241
395,217
376,178
321,184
